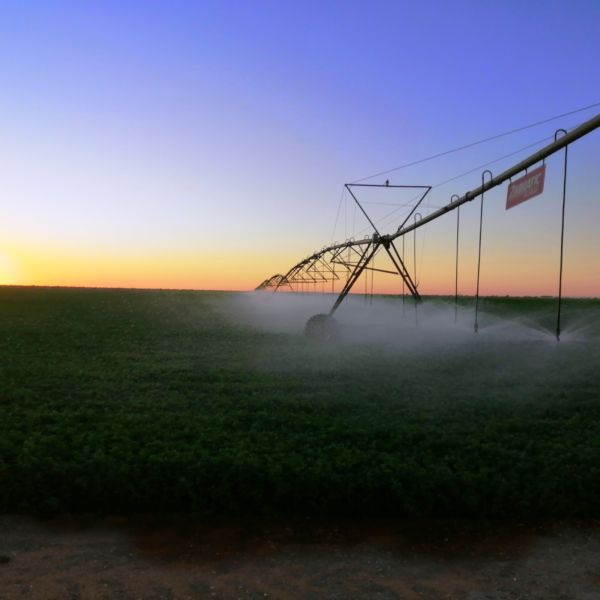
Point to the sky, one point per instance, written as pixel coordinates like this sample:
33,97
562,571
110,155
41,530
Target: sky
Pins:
205,145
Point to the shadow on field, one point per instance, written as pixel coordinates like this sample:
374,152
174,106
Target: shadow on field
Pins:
222,538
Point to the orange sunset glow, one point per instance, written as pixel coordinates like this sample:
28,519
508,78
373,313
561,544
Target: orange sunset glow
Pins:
164,160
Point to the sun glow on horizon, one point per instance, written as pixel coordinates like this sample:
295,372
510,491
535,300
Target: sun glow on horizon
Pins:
10,271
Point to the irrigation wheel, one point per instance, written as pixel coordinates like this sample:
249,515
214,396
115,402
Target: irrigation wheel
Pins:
322,328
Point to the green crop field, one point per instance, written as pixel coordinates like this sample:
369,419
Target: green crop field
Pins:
121,401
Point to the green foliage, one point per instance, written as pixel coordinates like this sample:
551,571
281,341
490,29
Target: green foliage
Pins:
155,401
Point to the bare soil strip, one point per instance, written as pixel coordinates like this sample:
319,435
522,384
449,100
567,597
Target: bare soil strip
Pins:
177,558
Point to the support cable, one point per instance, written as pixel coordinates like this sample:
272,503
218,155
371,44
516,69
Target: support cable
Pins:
562,238
495,137
453,179
479,257
338,214
345,218
572,136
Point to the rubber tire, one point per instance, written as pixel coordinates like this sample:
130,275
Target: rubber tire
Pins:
322,328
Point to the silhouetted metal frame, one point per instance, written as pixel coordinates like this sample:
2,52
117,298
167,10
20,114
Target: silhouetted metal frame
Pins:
366,256
357,260
388,244
387,240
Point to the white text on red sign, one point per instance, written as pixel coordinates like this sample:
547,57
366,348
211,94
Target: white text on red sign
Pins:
526,187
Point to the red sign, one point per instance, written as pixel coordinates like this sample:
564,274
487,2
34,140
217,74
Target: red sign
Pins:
526,187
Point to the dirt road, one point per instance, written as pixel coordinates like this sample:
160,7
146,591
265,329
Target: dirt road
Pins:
178,558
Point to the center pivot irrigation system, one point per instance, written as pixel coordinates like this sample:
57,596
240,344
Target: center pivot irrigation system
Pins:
353,257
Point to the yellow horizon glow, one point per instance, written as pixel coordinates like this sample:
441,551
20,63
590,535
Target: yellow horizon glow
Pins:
501,274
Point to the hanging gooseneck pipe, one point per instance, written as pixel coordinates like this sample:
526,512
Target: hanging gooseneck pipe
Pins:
456,282
479,257
415,271
403,284
562,238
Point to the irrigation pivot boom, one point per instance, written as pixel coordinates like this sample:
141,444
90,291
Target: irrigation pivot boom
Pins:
355,256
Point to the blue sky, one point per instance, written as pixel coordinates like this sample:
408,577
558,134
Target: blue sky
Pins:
186,144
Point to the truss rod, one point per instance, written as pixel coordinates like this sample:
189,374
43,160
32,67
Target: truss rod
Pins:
550,149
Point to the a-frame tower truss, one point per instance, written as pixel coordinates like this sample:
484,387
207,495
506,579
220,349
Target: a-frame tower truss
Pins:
353,259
